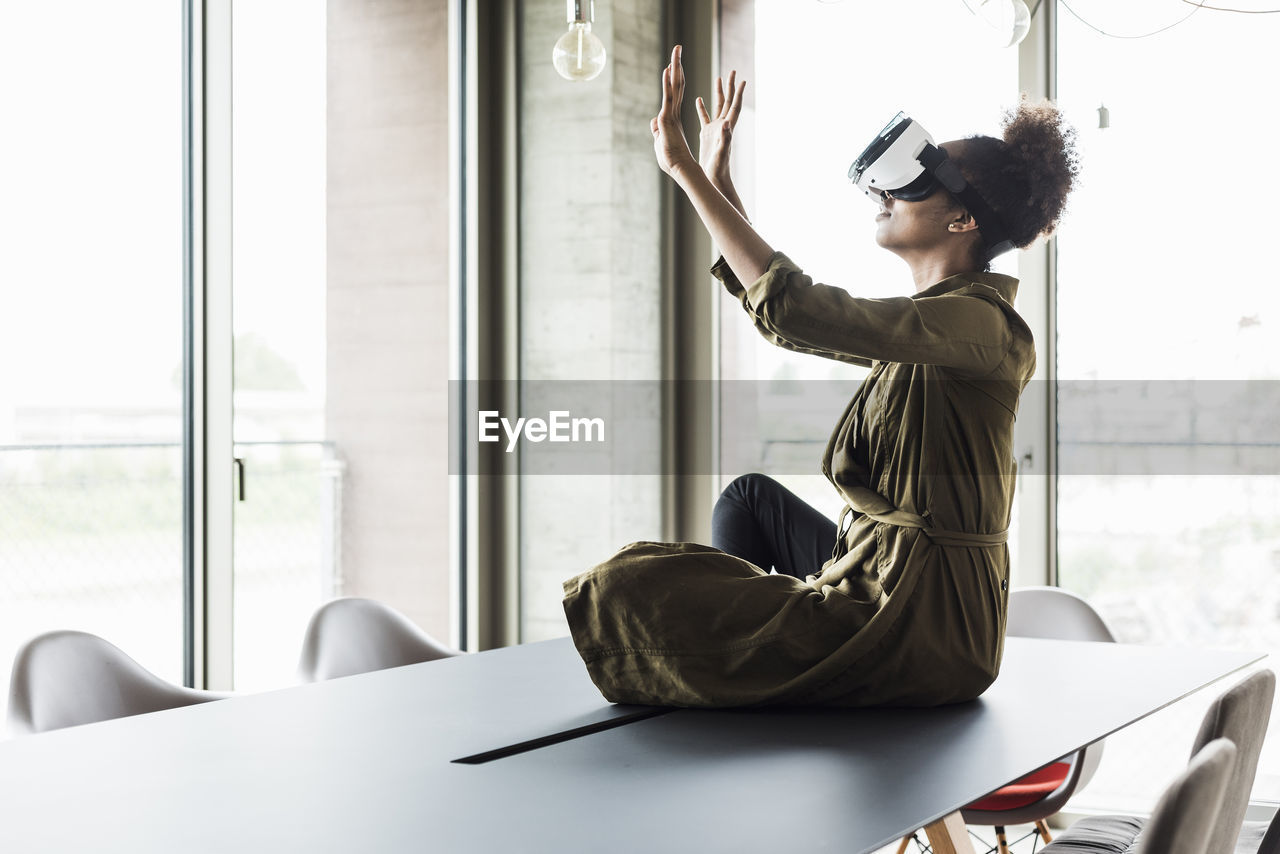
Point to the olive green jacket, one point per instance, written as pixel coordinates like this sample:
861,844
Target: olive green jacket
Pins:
910,610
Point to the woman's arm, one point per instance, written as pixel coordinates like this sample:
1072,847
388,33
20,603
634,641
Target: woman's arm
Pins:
788,307
716,138
744,250
956,330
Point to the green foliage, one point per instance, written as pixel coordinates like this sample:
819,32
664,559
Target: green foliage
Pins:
45,495
258,367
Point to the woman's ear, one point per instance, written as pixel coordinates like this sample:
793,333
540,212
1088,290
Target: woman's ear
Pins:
962,222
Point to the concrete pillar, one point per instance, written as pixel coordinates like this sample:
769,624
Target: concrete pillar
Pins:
590,282
388,295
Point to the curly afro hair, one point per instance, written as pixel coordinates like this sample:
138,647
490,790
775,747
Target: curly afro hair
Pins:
1026,176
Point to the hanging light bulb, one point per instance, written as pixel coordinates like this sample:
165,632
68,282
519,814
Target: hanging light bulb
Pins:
1021,23
1007,21
579,53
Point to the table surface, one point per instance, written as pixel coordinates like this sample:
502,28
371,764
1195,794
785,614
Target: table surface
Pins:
368,763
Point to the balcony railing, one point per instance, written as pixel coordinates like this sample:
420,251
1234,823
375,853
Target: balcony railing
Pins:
91,538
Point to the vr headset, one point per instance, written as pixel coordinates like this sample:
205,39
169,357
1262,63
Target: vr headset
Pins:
904,162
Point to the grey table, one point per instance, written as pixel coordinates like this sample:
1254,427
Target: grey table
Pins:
369,763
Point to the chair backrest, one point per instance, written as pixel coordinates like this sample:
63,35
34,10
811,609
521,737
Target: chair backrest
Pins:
354,635
1241,715
1185,814
1054,613
1057,614
68,678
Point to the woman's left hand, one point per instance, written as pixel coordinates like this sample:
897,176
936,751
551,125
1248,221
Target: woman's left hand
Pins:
669,144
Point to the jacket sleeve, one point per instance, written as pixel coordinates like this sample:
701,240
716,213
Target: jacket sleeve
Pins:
963,333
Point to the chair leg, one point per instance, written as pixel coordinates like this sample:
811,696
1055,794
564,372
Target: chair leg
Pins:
1043,827
906,840
949,835
1002,841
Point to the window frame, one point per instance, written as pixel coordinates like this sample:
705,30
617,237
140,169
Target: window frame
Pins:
207,363
1036,430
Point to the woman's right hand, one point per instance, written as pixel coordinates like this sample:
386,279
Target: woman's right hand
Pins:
716,136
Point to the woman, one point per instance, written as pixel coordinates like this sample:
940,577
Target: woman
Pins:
910,607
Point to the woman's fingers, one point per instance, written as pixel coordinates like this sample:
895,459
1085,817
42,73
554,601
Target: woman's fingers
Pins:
673,90
719,96
735,104
666,92
726,102
677,78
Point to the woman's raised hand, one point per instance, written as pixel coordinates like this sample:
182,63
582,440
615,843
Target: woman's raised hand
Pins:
669,145
717,129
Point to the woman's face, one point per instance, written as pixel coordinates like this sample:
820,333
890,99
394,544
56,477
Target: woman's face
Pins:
920,227
915,226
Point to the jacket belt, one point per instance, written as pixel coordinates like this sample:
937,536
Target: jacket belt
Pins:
875,506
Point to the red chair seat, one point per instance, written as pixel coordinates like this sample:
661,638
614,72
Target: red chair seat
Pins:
1026,791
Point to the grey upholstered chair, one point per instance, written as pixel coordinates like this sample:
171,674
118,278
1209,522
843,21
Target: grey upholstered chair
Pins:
68,678
1240,715
1183,819
1187,814
352,635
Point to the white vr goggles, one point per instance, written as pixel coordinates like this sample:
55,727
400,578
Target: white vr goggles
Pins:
903,162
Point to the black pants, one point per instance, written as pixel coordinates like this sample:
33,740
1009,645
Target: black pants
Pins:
760,520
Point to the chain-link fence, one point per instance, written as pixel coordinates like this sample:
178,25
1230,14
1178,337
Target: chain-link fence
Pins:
91,539
287,553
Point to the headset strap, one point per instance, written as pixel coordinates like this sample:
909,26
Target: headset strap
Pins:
994,234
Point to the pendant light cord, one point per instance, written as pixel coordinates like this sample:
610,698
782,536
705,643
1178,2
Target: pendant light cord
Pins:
1196,5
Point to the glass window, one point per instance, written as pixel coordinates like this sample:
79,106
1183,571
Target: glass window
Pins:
91,325
1167,355
285,530
342,338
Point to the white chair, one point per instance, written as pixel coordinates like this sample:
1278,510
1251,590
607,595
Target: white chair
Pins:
1183,819
1053,613
68,678
1057,614
354,635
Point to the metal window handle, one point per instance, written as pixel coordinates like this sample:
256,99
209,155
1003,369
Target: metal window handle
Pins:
240,478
